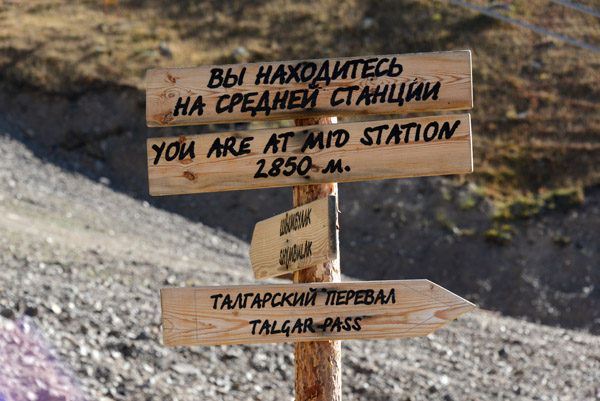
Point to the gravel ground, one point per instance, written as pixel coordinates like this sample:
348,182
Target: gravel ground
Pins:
80,271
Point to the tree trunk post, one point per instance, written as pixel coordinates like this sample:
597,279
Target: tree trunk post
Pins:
318,363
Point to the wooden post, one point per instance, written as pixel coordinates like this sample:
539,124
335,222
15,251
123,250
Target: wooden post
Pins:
318,364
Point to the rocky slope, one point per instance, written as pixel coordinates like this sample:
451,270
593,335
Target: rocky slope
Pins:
81,267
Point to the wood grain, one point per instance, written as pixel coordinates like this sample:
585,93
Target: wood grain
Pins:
191,317
166,87
318,364
358,161
313,235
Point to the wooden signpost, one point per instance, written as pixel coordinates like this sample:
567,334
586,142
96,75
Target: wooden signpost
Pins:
309,88
317,310
310,155
302,237
306,312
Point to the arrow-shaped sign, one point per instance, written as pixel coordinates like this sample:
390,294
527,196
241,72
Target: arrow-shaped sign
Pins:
306,312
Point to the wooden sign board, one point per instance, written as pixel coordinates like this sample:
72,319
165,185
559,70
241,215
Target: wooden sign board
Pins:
306,312
310,155
302,237
300,89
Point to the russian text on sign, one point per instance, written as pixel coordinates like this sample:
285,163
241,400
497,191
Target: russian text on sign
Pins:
306,312
309,88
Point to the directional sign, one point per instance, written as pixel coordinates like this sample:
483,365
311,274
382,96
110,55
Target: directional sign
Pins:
302,237
310,154
309,88
306,312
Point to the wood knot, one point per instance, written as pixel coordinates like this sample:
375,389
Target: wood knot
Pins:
313,392
167,118
189,175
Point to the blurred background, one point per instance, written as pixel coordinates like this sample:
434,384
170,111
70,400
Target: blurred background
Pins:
78,230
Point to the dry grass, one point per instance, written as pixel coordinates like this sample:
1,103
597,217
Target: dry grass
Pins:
536,120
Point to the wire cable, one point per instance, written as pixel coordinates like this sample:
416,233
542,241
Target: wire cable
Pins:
535,28
578,7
